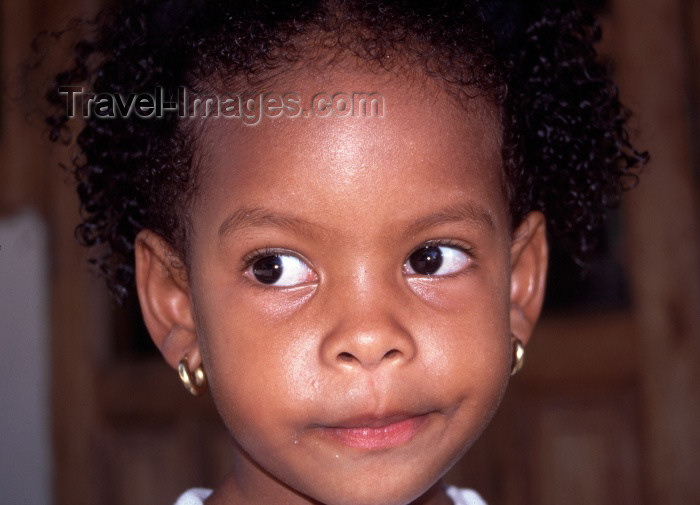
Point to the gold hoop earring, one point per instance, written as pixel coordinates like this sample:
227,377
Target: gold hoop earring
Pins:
195,383
518,355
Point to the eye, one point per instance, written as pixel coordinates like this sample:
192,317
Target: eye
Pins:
436,260
284,270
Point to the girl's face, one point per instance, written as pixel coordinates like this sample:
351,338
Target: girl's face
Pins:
350,287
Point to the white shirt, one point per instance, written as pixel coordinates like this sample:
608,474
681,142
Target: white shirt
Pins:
196,496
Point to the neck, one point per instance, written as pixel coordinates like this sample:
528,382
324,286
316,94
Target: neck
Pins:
232,492
249,484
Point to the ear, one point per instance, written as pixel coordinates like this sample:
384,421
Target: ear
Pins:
161,283
528,258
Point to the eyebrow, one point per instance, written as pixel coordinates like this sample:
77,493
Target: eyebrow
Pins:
469,212
252,217
258,217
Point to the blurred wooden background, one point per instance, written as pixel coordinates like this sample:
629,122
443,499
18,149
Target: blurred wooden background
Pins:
607,410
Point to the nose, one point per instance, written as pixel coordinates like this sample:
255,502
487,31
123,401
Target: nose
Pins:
368,335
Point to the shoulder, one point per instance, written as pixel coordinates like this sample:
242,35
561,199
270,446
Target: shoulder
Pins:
194,496
464,496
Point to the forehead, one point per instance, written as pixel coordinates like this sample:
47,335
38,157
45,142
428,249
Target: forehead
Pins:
424,141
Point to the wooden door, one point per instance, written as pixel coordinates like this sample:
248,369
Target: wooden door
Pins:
569,429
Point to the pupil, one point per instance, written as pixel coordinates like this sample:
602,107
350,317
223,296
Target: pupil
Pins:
268,270
426,260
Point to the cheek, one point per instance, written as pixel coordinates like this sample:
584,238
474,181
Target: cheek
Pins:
466,340
257,360
473,360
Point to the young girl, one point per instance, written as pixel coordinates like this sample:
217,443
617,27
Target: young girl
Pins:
336,214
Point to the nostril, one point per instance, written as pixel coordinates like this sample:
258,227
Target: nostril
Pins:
392,354
345,356
367,359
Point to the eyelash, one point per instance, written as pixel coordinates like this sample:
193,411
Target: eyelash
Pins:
251,258
469,251
454,244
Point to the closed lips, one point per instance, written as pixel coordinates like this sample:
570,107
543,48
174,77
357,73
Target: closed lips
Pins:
374,432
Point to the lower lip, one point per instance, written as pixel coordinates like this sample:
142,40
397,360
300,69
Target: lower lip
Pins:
385,437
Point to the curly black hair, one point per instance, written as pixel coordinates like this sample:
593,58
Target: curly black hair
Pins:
565,149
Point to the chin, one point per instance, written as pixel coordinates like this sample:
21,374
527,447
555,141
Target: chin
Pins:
383,492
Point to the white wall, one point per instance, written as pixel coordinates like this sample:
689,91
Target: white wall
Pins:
25,443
